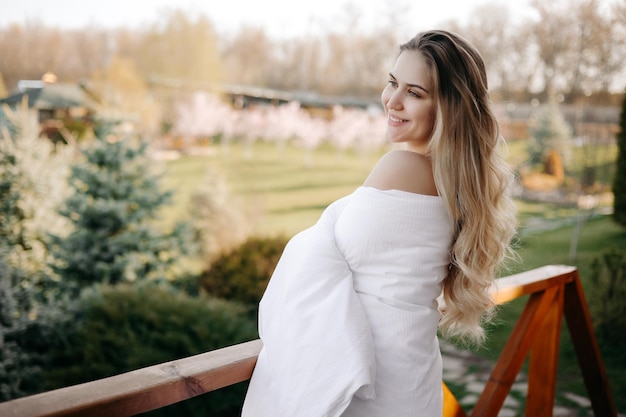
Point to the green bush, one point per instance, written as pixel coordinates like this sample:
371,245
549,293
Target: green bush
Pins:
243,273
118,329
16,366
607,296
24,354
619,182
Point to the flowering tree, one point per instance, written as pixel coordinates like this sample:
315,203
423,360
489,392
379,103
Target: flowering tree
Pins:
361,129
253,125
346,126
310,134
206,115
373,134
282,123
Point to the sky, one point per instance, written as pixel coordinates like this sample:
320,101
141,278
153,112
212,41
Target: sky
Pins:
280,18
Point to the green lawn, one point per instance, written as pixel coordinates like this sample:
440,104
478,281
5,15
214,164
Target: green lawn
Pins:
286,194
280,188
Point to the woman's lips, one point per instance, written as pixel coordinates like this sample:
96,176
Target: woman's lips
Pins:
396,120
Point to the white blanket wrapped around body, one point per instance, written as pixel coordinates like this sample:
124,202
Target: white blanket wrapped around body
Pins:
325,316
312,325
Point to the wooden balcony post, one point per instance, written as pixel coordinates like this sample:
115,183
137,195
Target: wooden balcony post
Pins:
587,349
544,357
514,353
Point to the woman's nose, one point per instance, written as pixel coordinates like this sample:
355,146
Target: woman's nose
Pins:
395,101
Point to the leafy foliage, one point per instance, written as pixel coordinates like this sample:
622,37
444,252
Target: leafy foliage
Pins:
243,273
619,183
119,328
218,222
32,182
15,303
115,197
607,298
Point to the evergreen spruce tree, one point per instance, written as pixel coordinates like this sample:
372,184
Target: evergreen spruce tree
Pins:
116,196
619,183
550,133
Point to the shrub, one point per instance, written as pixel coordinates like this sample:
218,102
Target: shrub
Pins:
219,225
24,354
15,304
32,184
121,328
243,273
619,182
607,296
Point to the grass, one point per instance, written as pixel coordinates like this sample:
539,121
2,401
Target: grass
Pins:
283,190
285,194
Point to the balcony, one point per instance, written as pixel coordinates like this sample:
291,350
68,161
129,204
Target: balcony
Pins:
554,292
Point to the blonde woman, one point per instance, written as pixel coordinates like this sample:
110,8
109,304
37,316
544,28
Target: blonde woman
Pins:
350,317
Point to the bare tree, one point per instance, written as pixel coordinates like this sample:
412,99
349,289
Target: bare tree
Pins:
86,51
609,52
126,96
181,48
27,52
571,47
30,50
553,36
299,63
491,30
368,60
248,57
588,34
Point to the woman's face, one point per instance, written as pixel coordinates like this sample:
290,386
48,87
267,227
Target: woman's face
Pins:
409,103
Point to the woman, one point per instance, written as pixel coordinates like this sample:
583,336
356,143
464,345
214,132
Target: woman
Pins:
349,319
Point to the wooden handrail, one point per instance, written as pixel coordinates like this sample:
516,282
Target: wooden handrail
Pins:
144,389
554,291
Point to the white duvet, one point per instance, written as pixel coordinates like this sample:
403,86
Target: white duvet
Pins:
349,318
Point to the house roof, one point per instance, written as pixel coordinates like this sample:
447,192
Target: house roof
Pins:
52,97
305,98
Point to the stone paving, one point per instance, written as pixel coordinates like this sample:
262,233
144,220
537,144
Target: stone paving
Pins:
466,375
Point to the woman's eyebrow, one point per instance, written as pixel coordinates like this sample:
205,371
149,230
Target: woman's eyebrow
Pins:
412,85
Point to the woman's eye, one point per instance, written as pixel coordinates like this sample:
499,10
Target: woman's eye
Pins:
414,94
393,83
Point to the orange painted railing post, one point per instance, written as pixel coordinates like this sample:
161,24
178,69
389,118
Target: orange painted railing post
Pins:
451,406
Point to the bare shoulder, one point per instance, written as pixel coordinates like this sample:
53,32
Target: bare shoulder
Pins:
405,171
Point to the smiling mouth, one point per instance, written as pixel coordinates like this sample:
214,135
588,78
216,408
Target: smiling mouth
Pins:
397,120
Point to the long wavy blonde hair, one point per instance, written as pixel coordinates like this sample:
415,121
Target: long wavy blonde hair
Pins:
471,176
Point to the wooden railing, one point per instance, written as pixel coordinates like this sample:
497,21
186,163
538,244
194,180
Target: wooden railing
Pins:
554,291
